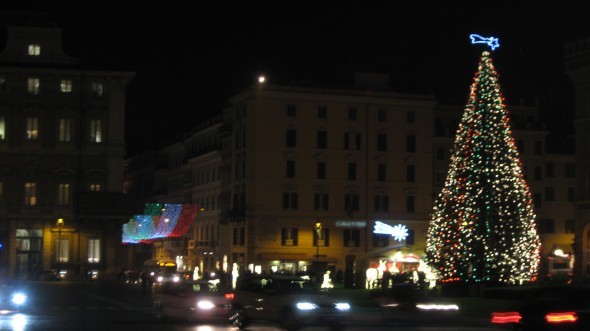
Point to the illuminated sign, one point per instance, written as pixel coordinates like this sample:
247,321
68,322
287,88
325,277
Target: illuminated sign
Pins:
351,224
398,232
493,42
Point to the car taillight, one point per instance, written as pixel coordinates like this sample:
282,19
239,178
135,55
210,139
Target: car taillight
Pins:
229,296
564,317
506,317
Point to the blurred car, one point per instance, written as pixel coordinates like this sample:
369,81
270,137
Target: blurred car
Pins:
408,303
13,297
291,301
565,307
191,301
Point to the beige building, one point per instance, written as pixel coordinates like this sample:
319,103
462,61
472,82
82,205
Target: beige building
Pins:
62,148
298,178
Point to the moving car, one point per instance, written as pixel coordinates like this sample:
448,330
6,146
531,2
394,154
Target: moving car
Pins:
289,300
565,307
191,301
13,297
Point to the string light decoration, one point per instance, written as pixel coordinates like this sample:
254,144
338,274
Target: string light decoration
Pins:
482,228
159,221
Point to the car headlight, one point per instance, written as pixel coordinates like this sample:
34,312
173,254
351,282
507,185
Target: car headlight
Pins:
176,279
18,299
205,305
342,306
160,278
306,306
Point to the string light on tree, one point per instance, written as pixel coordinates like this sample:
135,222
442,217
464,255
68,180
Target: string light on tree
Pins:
482,228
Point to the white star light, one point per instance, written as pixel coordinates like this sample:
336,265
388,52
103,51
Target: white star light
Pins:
399,232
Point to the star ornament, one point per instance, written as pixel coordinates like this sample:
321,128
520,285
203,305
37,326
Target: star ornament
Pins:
398,232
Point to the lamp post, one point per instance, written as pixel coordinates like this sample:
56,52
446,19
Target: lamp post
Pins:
60,224
318,233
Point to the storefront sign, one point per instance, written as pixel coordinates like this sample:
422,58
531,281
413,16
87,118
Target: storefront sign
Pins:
351,224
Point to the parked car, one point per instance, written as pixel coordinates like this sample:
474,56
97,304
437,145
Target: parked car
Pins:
288,300
192,301
565,307
13,297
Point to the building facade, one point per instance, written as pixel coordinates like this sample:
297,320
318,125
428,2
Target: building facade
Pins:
298,178
577,60
62,149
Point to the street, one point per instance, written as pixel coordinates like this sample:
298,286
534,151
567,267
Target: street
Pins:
108,306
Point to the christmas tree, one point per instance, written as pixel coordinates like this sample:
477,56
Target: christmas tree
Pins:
482,228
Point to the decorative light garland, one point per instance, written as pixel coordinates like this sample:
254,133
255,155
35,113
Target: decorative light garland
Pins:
482,227
159,221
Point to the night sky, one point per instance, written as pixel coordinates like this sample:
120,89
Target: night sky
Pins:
190,56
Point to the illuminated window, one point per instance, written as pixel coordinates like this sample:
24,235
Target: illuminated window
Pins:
96,131
2,128
63,194
95,187
93,250
30,194
62,250
34,50
65,129
289,237
65,86
33,85
97,89
32,128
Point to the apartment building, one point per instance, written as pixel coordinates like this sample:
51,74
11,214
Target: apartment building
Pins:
62,149
303,177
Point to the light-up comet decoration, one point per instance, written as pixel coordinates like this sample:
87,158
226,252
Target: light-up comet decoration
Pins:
398,232
493,42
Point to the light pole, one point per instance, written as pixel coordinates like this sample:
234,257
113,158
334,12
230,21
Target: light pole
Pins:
60,224
318,233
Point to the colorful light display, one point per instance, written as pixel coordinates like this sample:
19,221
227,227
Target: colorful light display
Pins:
482,228
159,221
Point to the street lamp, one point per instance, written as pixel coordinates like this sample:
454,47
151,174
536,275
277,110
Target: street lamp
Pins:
318,234
60,224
